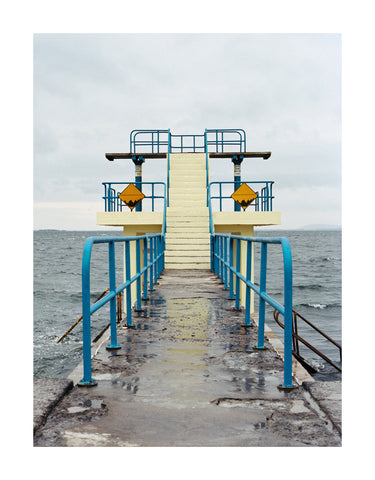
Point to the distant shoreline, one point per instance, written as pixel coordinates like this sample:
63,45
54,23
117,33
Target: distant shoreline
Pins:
269,229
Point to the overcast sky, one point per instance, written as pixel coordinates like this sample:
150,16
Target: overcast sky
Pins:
91,90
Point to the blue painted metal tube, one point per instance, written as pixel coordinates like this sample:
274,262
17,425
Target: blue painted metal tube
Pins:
288,314
248,279
156,256
168,164
112,288
225,257
86,316
214,258
237,184
238,268
128,288
231,291
101,302
221,256
151,266
262,304
138,268
145,263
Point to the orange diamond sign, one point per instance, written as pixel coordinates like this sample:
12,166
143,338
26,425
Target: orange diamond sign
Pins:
131,196
244,195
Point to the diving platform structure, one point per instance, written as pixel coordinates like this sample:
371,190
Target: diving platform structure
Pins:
190,206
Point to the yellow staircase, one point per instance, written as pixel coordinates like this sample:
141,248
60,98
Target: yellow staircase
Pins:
187,240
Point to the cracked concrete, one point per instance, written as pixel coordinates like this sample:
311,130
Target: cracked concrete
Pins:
187,375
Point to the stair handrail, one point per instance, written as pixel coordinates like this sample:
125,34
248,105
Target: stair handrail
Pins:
297,338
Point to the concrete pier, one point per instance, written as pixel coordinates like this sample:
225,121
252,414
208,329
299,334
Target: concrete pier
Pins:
187,375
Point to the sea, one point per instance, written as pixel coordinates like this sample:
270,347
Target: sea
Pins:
57,259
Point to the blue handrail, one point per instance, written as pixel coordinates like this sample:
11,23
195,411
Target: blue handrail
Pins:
151,138
225,137
222,263
114,204
151,271
162,141
262,203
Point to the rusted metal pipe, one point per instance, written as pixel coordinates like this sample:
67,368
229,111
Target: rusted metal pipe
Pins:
80,318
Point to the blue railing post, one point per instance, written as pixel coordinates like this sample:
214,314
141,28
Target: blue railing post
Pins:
87,380
138,269
288,316
145,263
112,303
248,279
128,288
262,303
151,266
214,252
225,255
238,268
221,243
231,292
155,248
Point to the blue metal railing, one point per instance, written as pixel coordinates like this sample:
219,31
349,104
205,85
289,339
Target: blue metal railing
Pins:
225,137
156,141
162,141
224,266
212,140
112,202
153,265
262,203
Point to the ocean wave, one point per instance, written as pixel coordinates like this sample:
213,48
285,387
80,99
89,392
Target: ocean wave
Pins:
318,306
310,287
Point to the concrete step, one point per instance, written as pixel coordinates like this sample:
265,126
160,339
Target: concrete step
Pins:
199,255
187,178
188,266
191,214
188,172
187,230
196,170
195,164
196,247
191,235
186,204
186,190
189,243
178,222
189,155
186,194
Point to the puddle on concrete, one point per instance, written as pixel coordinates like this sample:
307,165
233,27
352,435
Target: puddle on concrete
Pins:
189,350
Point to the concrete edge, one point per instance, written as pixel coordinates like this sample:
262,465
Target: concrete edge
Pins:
327,395
48,392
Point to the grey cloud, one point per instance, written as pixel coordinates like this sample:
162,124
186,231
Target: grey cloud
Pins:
91,90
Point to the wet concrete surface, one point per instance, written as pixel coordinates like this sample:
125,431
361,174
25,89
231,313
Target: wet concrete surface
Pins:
188,375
